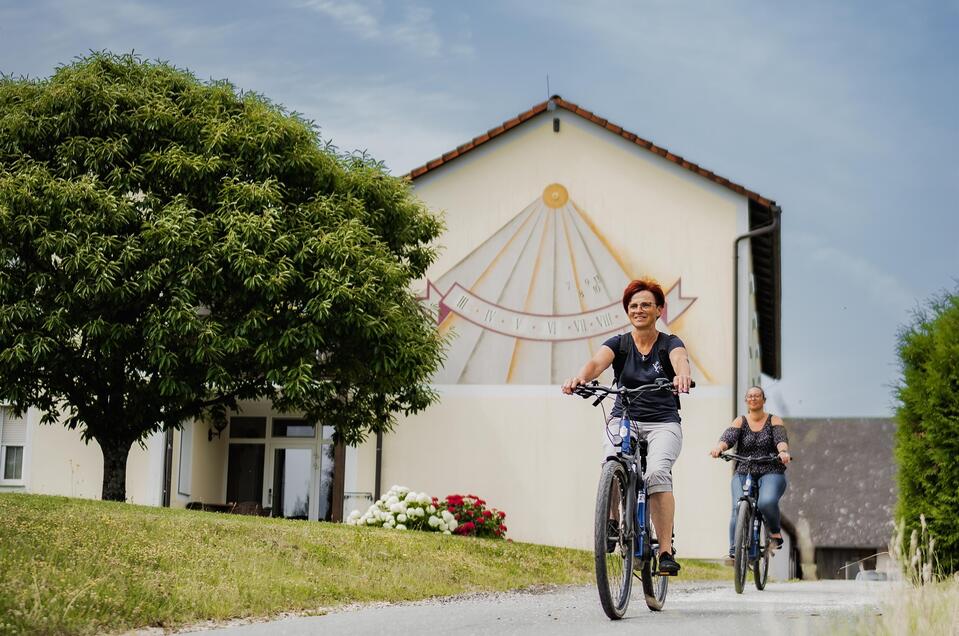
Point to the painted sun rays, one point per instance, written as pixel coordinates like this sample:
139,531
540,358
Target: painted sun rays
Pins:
532,302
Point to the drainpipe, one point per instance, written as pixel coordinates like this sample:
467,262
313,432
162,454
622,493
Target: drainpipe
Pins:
766,229
379,464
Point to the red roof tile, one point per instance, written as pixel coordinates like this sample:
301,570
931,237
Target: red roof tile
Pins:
559,102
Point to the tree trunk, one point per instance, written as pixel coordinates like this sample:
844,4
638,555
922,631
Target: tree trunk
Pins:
115,454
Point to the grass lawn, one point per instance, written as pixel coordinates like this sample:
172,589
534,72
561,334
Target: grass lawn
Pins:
75,566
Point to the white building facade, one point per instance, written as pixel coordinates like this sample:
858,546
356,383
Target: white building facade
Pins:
548,217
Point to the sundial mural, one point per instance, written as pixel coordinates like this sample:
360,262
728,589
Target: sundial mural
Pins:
531,303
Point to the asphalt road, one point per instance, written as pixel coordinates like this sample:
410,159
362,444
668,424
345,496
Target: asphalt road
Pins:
691,607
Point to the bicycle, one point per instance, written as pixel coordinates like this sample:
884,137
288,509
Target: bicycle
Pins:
751,540
623,530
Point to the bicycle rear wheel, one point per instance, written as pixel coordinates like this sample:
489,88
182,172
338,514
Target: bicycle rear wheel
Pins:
654,584
741,545
761,565
613,549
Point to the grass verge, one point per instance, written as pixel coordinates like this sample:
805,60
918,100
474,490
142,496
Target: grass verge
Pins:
74,566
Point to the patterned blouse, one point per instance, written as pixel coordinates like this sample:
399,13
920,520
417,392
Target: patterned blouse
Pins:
756,444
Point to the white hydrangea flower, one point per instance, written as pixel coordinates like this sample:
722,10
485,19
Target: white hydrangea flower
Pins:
442,526
392,500
433,521
452,524
431,508
401,518
400,526
447,532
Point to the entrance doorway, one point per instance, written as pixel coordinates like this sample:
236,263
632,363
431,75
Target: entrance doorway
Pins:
292,468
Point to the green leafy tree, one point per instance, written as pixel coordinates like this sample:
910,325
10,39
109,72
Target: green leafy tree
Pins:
927,439
170,246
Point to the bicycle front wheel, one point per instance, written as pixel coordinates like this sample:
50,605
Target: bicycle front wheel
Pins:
741,545
761,565
654,584
613,548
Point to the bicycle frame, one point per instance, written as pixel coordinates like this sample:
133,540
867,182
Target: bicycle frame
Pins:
751,496
637,494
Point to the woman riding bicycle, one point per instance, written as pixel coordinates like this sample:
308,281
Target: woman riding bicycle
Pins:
758,434
641,356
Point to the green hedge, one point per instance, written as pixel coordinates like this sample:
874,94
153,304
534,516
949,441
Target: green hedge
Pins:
927,440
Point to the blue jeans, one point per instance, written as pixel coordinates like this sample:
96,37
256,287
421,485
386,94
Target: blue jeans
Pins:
771,488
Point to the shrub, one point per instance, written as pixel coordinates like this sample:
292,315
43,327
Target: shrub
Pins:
927,438
403,509
474,518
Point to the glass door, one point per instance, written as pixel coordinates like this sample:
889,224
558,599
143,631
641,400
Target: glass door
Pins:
293,477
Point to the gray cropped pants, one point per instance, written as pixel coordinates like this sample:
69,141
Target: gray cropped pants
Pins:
665,441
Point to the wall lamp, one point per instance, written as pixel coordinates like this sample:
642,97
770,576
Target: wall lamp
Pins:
215,429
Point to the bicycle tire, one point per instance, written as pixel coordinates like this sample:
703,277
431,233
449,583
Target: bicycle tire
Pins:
614,568
741,540
655,585
761,565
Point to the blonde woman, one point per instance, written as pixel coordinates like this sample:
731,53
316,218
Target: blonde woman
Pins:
758,434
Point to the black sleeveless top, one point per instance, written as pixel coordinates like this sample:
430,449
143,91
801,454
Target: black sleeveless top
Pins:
756,444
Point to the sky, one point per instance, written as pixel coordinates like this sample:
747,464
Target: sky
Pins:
842,112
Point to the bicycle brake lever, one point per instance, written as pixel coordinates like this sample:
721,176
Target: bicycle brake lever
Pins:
598,400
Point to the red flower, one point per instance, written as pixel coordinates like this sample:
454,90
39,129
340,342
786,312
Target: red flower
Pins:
487,513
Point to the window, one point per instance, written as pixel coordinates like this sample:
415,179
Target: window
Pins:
247,427
286,427
13,438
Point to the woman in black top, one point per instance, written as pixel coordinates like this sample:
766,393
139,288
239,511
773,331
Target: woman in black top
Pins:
763,434
641,363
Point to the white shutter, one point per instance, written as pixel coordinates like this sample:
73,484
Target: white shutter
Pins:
14,429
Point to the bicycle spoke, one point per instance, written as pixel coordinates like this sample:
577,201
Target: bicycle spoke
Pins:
613,548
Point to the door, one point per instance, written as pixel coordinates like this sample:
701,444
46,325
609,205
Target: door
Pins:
293,479
300,475
293,468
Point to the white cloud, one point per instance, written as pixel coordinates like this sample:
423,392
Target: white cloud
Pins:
415,29
354,16
857,271
399,123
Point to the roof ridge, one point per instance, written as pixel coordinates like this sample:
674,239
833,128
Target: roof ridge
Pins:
558,102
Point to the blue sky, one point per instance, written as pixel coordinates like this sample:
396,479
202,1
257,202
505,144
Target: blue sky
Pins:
842,112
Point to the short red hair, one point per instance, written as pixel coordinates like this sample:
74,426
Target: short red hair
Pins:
643,284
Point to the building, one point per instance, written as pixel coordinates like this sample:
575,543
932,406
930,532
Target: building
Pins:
549,215
838,508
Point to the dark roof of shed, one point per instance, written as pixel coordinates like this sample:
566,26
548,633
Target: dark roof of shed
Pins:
765,248
843,480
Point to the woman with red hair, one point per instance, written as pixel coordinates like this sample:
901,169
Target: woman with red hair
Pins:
641,356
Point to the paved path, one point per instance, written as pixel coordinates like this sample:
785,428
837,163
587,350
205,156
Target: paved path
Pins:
691,607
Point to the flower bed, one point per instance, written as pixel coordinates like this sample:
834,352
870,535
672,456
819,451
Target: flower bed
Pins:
404,509
474,518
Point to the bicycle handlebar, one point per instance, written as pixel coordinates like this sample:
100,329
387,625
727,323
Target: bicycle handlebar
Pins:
601,392
762,459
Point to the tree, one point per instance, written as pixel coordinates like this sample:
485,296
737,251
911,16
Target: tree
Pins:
927,438
170,246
